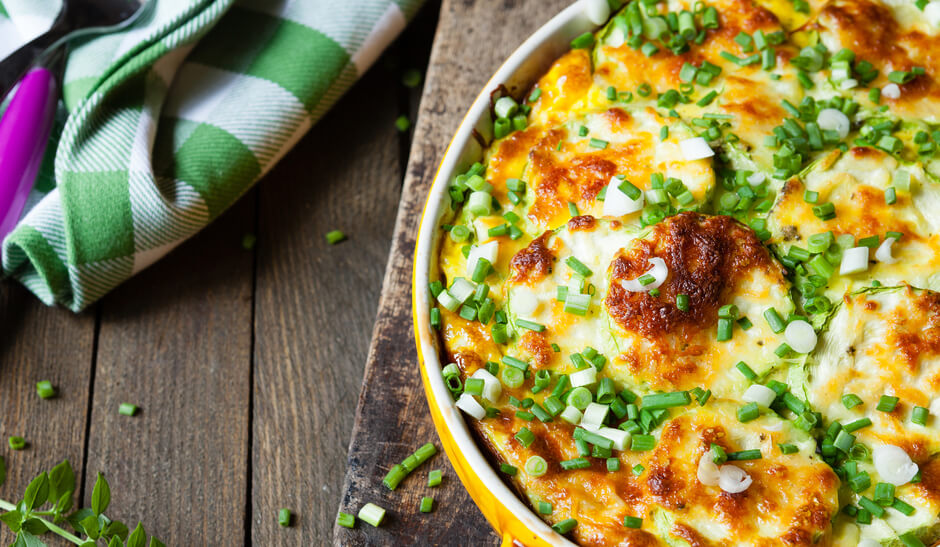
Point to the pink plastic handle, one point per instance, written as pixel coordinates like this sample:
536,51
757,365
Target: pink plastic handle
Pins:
24,133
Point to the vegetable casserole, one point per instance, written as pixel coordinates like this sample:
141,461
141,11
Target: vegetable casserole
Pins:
686,295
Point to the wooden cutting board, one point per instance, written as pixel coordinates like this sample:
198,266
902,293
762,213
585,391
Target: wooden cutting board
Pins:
392,419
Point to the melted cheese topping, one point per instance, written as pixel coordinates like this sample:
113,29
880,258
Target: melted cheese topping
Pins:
885,342
590,128
855,185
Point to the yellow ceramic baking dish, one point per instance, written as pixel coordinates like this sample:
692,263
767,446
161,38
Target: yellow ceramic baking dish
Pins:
512,518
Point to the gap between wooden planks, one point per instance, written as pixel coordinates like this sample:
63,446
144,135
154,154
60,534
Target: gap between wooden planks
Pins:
392,420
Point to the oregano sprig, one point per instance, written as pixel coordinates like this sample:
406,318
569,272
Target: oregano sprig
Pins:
46,503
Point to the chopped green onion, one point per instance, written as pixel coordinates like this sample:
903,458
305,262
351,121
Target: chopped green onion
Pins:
632,522
642,443
127,409
427,504
536,466
372,513
576,463
887,403
658,401
742,455
335,236
44,389
565,526
583,41
748,412
747,371
773,318
283,517
345,520
851,400
919,415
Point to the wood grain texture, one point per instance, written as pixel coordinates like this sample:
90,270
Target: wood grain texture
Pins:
40,343
316,304
472,39
176,341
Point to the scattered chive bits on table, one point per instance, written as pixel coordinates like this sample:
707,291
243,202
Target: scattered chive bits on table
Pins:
284,517
45,390
128,409
335,236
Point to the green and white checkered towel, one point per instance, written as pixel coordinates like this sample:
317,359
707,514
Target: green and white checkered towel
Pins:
170,121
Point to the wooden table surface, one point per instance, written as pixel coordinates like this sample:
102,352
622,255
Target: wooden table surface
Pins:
247,364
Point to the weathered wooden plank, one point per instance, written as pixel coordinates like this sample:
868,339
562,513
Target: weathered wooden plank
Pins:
316,303
473,38
40,343
176,341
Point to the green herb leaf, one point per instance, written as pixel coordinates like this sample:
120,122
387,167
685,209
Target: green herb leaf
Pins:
37,492
13,519
90,526
114,528
101,495
154,542
25,539
138,537
61,481
35,526
115,542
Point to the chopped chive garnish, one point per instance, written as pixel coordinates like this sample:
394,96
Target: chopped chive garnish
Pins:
638,470
642,443
658,401
887,403
632,522
851,400
598,143
742,455
16,442
427,504
435,477
707,99
747,371
578,267
345,520
565,526
530,325
335,236
283,517
127,409
583,41
748,412
508,469
44,389
876,510
682,302
857,424
576,463
787,448
725,329
774,320
372,513
919,415
904,509
613,464
545,508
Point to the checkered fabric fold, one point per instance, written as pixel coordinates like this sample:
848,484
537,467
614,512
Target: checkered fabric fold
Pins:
166,124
